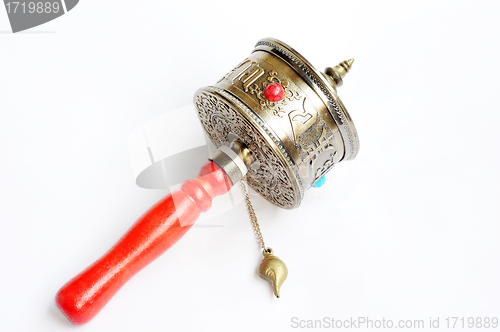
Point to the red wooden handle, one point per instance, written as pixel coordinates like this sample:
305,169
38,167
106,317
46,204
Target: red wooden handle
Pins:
81,298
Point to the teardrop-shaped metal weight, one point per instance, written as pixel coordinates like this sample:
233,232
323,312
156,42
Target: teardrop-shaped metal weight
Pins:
273,270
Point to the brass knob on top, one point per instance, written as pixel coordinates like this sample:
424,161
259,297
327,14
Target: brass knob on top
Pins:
337,73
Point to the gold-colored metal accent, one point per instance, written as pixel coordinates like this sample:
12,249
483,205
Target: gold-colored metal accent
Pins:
337,73
253,216
273,270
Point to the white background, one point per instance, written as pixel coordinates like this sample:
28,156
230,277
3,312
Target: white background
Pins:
407,230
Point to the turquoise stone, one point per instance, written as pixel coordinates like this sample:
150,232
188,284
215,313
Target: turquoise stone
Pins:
320,182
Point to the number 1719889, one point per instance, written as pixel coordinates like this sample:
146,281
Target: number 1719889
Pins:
471,322
32,7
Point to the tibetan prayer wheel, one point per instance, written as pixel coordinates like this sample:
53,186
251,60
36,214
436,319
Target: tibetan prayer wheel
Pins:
287,114
276,121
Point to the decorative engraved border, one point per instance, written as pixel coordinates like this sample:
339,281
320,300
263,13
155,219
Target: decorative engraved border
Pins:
286,196
275,139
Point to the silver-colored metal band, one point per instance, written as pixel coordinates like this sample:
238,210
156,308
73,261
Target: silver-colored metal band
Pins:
230,163
237,160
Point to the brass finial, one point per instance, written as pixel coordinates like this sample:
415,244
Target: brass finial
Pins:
335,74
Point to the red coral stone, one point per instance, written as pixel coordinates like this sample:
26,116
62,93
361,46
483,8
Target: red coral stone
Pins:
274,92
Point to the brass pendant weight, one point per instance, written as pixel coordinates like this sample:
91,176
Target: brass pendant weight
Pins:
271,268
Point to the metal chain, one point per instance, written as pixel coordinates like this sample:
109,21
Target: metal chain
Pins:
251,212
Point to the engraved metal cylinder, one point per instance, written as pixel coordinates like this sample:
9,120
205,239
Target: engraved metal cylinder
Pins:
295,140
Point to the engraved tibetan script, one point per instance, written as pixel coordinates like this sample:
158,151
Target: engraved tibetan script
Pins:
316,149
247,72
301,120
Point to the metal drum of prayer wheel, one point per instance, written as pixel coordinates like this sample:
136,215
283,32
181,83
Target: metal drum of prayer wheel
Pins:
279,126
287,114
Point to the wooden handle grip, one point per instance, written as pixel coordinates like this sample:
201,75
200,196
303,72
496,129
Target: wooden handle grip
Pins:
81,298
